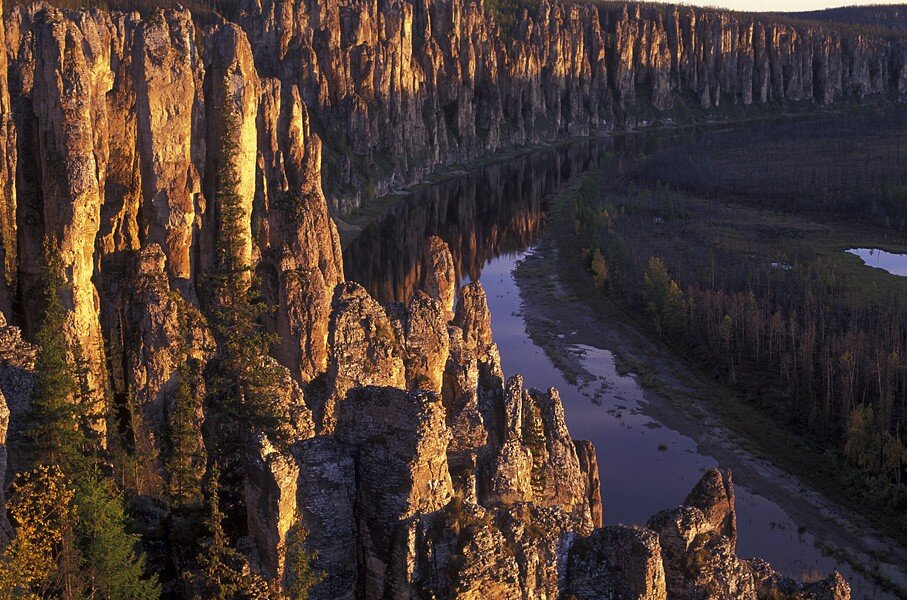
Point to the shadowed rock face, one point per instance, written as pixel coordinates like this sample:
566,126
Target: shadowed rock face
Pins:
17,364
617,562
165,339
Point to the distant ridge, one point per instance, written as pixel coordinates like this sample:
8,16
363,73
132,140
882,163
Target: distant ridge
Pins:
889,16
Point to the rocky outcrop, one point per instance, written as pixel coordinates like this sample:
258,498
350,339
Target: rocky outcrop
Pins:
769,584
588,464
17,364
270,487
699,562
166,346
406,85
116,127
326,500
399,442
685,552
439,274
71,78
617,562
364,350
232,145
170,113
714,496
427,343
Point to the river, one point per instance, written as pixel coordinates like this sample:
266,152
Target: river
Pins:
491,219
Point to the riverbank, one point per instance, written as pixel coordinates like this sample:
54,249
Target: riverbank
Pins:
563,310
351,224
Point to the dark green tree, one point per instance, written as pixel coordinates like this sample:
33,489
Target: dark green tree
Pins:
55,428
223,572
185,461
110,565
97,558
242,381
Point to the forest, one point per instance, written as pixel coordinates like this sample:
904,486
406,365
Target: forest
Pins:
733,252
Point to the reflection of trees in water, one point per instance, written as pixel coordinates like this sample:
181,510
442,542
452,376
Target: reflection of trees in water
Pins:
481,215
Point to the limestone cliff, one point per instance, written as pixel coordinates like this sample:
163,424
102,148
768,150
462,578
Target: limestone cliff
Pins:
402,86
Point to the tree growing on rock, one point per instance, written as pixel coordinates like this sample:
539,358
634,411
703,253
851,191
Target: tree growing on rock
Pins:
242,383
55,430
93,555
185,456
223,572
301,575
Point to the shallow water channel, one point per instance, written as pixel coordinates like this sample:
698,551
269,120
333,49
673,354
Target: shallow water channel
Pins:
491,218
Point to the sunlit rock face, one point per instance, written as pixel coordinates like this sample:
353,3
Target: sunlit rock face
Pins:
364,350
405,85
169,106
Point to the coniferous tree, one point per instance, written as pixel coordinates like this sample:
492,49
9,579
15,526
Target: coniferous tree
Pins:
109,563
223,573
95,556
242,382
185,457
55,430
301,575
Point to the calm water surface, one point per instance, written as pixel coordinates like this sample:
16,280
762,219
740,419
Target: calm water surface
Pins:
896,264
490,218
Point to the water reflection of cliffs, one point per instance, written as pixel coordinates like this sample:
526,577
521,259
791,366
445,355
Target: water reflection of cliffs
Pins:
481,215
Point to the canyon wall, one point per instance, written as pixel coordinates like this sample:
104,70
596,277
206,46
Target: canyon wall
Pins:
399,87
416,466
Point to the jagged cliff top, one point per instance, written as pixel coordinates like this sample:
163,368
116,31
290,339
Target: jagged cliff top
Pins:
877,20
888,16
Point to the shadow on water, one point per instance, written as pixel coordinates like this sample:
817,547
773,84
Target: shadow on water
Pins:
482,214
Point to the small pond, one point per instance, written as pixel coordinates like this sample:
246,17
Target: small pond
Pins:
894,263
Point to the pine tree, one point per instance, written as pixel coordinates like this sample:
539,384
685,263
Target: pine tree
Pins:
242,382
95,556
224,573
55,422
110,564
185,457
299,563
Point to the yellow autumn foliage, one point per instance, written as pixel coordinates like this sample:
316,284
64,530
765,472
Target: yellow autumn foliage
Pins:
41,508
